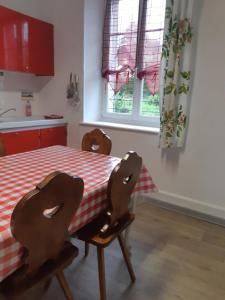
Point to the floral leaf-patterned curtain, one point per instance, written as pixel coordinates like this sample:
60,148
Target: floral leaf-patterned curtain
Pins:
176,54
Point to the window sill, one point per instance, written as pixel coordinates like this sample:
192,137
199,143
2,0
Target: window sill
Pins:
126,127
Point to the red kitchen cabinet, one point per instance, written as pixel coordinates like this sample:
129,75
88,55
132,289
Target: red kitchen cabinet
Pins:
53,136
27,140
41,48
21,141
26,43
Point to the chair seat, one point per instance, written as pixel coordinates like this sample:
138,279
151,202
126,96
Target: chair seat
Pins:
91,232
111,223
16,284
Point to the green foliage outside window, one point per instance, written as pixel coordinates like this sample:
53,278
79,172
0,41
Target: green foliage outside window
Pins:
123,100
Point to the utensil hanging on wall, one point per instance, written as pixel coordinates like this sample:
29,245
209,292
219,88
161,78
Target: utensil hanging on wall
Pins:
73,91
70,88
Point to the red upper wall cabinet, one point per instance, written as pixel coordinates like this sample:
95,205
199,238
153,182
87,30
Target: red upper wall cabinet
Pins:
26,44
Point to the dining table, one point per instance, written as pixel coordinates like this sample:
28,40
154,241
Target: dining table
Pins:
20,173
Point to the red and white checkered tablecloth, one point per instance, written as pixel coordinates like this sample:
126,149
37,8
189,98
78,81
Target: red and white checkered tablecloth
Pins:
20,173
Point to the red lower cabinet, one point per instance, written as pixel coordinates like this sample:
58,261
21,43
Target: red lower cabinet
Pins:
53,136
21,141
27,140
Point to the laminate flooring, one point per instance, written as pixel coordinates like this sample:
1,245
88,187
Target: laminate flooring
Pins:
175,257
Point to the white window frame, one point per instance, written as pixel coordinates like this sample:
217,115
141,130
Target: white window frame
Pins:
132,119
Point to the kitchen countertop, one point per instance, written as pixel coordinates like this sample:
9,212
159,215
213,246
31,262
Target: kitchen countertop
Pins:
23,122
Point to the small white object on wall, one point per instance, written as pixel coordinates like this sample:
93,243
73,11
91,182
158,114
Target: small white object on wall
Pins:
27,95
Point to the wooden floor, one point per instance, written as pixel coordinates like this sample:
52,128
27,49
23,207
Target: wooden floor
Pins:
174,256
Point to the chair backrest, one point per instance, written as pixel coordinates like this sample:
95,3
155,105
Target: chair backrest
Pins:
2,148
121,185
41,219
97,141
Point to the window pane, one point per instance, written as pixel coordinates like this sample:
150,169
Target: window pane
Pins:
149,103
121,102
154,28
122,43
123,35
126,94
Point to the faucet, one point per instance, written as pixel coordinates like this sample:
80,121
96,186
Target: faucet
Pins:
5,111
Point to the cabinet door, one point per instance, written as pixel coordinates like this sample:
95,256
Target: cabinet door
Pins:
13,47
41,47
53,136
26,43
21,141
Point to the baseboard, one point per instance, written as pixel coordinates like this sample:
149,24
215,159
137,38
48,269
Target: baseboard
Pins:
188,206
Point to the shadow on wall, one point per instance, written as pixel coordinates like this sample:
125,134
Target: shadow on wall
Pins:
171,157
197,9
15,82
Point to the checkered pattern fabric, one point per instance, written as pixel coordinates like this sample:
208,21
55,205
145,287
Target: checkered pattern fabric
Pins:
20,173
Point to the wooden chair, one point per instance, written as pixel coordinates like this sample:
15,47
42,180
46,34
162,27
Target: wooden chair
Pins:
97,141
2,148
111,224
40,224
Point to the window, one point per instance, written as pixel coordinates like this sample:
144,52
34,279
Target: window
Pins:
132,44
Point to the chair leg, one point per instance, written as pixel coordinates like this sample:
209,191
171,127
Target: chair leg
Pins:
126,257
101,273
47,284
86,249
64,285
127,239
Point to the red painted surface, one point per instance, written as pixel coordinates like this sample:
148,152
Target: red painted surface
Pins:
21,141
26,43
53,136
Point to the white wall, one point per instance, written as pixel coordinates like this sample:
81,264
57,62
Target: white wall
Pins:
12,83
93,84
50,92
30,7
68,20
192,178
